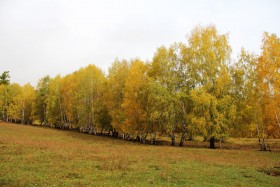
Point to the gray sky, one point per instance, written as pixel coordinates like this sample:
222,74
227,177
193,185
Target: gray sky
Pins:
51,37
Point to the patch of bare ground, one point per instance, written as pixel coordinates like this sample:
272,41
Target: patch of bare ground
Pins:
275,171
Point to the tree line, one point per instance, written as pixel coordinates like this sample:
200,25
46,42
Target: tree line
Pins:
188,89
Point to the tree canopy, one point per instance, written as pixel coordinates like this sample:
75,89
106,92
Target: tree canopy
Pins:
5,78
187,90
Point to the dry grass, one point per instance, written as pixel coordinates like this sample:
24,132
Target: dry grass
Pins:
31,156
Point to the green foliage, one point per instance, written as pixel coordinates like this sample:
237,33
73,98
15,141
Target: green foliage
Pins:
90,91
209,55
268,76
191,89
114,95
103,118
245,95
54,110
41,99
135,99
5,78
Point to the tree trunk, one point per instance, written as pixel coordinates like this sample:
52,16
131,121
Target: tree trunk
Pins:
115,133
212,143
153,140
94,131
22,116
183,137
278,122
173,141
181,144
263,145
6,107
138,138
172,136
143,138
260,144
127,136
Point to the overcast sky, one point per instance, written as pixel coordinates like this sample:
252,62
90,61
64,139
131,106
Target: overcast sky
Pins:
51,37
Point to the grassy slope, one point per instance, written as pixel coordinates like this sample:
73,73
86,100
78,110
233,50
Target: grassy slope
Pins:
33,156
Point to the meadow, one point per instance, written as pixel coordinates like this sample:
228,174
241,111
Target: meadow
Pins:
38,156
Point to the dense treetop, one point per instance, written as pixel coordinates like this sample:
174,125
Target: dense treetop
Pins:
191,89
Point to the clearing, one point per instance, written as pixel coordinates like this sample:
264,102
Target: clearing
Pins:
37,156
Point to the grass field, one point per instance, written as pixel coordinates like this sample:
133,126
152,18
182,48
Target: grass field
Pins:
36,156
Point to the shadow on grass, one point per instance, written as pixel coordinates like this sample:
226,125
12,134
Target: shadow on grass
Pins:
275,171
162,141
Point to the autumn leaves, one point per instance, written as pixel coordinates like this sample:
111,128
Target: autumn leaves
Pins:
191,89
